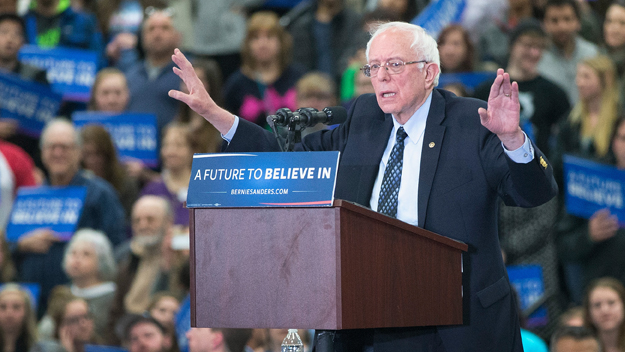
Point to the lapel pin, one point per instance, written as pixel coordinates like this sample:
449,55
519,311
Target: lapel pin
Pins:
432,144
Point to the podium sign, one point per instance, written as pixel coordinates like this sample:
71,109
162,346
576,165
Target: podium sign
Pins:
263,179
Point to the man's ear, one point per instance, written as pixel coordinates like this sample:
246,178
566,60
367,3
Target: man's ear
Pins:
431,71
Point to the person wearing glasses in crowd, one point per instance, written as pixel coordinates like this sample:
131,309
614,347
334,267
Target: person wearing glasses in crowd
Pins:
459,156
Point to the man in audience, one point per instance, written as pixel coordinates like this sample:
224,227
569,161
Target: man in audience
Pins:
49,25
12,38
145,260
218,340
150,79
145,334
574,339
321,33
567,48
38,254
543,103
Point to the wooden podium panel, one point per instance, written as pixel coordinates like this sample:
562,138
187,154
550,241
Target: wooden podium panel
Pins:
340,267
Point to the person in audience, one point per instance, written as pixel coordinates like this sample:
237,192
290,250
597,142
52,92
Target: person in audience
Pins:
100,157
266,80
543,103
177,156
614,35
203,136
75,326
405,9
18,330
150,79
315,90
259,341
574,339
121,23
597,243
573,317
12,38
567,48
146,334
38,254
49,25
321,32
456,49
109,92
163,308
493,44
90,265
603,306
145,261
218,340
16,170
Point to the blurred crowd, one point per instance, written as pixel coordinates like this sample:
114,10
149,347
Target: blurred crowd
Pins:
123,278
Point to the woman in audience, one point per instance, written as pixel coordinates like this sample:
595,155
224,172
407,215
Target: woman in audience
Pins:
173,183
100,156
110,91
455,49
614,34
589,127
17,320
603,306
266,80
587,134
75,326
163,308
204,137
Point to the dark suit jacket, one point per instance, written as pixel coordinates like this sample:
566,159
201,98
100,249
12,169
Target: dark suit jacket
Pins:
462,175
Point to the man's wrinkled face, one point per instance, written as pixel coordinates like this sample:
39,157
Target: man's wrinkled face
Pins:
399,94
59,152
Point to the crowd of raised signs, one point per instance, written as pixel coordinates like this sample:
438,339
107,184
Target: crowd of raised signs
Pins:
95,157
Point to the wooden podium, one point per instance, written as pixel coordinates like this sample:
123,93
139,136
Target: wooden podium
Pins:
330,268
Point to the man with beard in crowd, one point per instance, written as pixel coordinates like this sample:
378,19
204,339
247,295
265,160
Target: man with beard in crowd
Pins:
144,262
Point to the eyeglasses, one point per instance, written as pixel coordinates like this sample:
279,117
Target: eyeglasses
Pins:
392,66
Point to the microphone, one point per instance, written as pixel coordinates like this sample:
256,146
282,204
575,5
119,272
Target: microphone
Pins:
331,115
308,117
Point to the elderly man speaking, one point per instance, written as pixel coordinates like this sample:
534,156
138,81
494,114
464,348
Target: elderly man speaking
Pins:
428,158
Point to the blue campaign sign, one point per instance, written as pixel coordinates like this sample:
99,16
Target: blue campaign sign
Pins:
33,289
30,103
529,284
438,14
590,186
263,179
469,79
56,208
134,134
98,348
70,71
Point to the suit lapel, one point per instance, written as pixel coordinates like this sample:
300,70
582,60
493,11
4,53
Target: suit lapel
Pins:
433,136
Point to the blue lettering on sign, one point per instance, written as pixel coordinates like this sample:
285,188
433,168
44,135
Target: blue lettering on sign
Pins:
263,179
134,134
591,186
30,104
56,208
70,71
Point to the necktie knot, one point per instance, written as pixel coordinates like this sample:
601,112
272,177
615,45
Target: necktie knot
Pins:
401,135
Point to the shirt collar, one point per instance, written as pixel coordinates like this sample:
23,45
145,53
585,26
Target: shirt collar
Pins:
415,125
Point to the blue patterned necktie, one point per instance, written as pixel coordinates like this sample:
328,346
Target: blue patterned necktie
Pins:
387,203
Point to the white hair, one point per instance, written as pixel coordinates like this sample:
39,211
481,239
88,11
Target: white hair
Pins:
103,248
423,44
59,121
